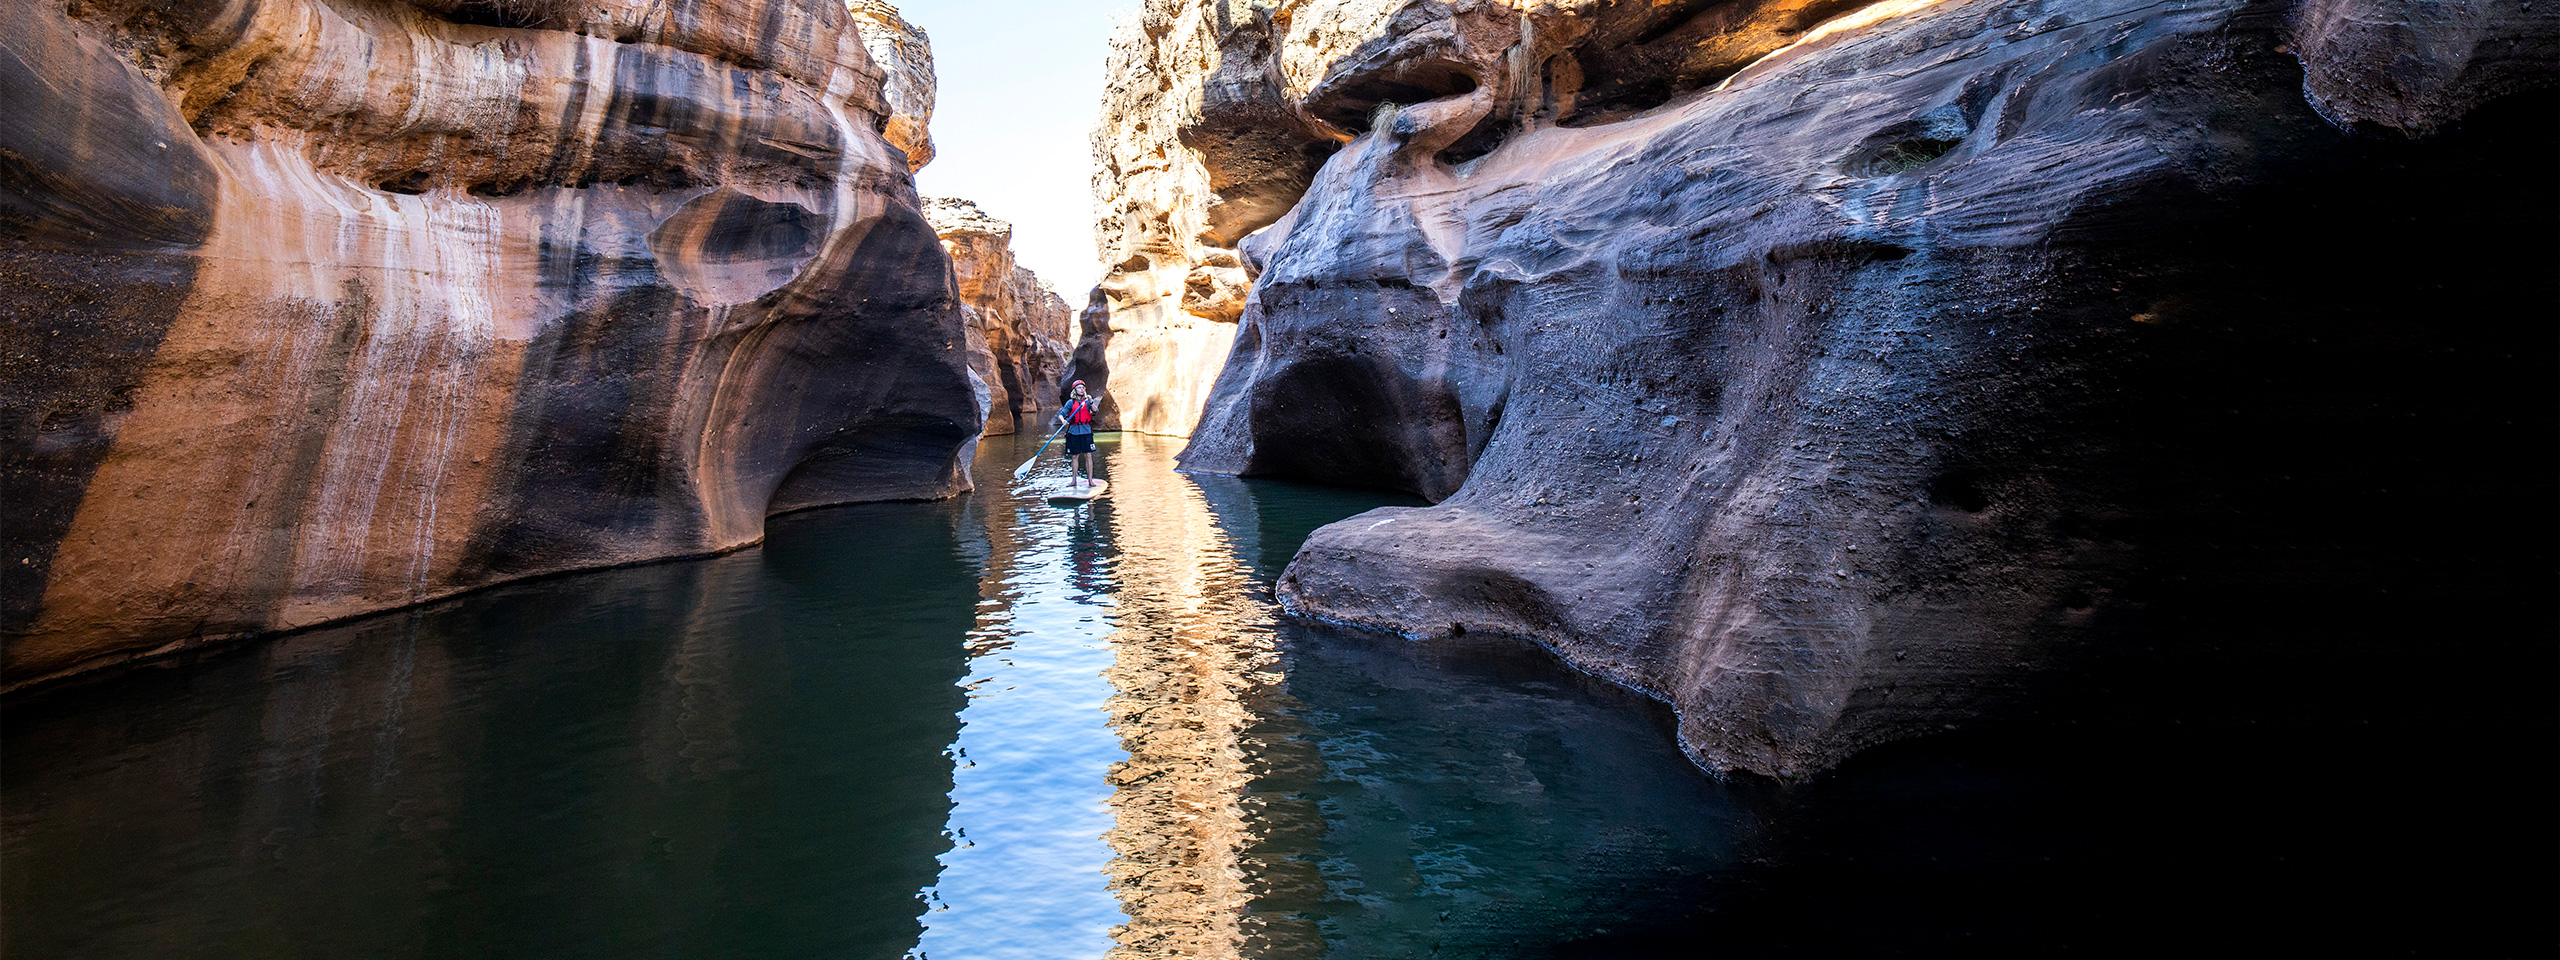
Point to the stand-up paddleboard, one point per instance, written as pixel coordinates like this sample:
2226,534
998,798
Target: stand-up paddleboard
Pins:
1068,491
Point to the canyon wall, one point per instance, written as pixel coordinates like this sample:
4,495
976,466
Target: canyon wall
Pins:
1195,149
320,307
1843,373
905,58
1217,116
1017,327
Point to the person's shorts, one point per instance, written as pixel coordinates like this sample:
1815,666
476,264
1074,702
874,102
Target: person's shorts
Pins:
1079,443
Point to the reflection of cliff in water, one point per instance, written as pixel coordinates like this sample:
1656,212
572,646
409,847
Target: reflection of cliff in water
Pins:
737,756
1295,791
1193,659
754,755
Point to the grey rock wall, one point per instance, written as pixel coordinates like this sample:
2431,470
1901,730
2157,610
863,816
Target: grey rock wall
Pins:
1949,364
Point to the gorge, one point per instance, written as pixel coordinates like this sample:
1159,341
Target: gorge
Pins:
1590,478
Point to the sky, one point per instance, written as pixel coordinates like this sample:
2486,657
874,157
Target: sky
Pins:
1020,85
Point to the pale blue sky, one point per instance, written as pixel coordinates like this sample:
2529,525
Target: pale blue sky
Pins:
1020,86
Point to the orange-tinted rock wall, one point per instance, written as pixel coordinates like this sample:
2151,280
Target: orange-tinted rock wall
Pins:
1018,327
315,308
905,57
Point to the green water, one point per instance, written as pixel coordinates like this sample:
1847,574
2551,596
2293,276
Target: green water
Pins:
991,727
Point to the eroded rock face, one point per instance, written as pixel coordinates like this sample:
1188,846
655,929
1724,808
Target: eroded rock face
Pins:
318,308
1162,317
1018,331
1218,115
2412,67
1928,369
905,58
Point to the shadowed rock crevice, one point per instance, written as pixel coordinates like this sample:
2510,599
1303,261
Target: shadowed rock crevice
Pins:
1637,56
1349,103
725,247
518,14
1905,146
1355,421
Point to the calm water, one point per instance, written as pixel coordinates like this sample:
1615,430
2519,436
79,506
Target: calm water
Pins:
987,728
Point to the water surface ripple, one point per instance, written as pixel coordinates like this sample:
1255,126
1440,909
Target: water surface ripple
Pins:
992,727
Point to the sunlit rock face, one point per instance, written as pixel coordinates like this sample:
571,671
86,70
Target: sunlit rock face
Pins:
905,58
1160,321
1018,327
1862,378
1193,672
316,308
1218,114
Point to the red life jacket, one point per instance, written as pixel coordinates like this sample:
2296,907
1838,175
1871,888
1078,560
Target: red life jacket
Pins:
1080,412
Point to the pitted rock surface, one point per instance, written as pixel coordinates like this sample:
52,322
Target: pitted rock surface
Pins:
319,308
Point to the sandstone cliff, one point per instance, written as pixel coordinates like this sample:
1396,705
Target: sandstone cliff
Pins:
1018,335
318,307
905,57
1161,320
1840,373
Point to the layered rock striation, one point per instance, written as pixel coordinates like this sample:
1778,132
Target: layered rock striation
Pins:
320,307
1018,328
1843,373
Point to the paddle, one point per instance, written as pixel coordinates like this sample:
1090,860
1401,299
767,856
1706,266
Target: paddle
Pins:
1035,455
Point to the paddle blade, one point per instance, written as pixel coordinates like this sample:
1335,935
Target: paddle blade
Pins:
1035,455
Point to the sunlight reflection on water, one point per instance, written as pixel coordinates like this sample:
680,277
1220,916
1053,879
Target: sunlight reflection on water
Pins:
978,729
1274,789
1024,877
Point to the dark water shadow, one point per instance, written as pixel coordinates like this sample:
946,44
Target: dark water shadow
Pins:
1456,797
741,756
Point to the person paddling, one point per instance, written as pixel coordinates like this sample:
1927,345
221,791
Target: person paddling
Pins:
1077,415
